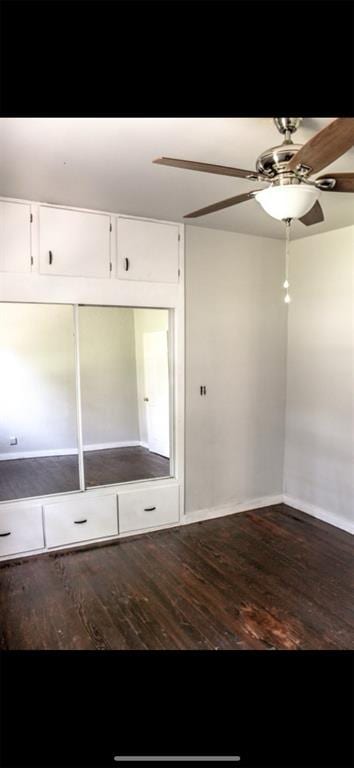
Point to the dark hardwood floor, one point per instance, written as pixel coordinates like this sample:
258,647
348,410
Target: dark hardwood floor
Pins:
22,478
268,579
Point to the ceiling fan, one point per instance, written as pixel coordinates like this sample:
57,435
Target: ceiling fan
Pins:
287,168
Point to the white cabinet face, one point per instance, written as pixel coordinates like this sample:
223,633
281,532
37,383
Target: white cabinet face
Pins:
74,243
147,251
15,237
81,519
21,530
148,508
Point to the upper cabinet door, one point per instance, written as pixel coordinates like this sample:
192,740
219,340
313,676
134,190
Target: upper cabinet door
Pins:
74,243
147,250
15,237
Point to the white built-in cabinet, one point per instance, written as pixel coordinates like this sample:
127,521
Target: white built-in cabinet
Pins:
15,237
67,242
84,517
73,243
147,250
131,262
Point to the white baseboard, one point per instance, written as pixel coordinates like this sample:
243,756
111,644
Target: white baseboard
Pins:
321,514
230,509
68,451
106,446
267,501
39,454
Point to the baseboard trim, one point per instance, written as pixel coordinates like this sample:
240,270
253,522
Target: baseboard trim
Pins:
68,451
319,513
267,501
39,454
106,446
230,509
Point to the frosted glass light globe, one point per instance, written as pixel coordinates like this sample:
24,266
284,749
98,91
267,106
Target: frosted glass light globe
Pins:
288,201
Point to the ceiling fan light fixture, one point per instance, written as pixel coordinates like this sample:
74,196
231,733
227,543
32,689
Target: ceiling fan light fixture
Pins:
288,201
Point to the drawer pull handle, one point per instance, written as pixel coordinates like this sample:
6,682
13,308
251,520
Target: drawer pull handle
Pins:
78,522
149,509
6,534
50,257
126,264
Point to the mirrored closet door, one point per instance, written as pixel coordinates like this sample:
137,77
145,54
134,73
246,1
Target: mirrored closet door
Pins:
38,414
125,383
85,397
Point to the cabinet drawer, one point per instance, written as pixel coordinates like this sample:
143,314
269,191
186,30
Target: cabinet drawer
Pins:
80,520
148,508
21,530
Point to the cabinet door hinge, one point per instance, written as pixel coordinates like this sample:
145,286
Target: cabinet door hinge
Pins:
110,227
110,266
31,261
31,218
179,273
179,237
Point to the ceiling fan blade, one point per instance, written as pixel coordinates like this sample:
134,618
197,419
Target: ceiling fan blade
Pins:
344,181
314,216
219,206
222,170
325,146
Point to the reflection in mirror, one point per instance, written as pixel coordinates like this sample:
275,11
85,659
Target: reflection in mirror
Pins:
125,394
38,423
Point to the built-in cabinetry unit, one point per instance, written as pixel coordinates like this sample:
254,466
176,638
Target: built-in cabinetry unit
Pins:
53,240
86,283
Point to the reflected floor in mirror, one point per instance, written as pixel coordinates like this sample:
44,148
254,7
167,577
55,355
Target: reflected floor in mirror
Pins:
121,465
22,478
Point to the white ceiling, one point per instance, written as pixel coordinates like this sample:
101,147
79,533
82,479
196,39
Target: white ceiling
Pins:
106,164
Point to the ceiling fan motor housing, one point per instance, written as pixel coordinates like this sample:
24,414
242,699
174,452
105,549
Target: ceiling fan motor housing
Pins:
273,162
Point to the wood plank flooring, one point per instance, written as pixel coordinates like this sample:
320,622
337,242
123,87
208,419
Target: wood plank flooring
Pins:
23,478
272,578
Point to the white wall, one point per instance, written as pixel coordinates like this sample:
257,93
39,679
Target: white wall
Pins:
145,321
319,455
236,347
108,375
37,378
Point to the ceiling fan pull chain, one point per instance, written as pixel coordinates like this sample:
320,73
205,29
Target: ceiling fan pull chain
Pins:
286,283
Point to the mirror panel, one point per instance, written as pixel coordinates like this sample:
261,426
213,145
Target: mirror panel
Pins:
38,421
125,394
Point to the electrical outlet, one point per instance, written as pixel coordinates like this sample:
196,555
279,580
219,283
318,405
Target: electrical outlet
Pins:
13,440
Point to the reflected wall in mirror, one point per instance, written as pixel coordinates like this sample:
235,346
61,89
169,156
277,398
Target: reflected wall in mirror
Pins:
38,421
125,394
